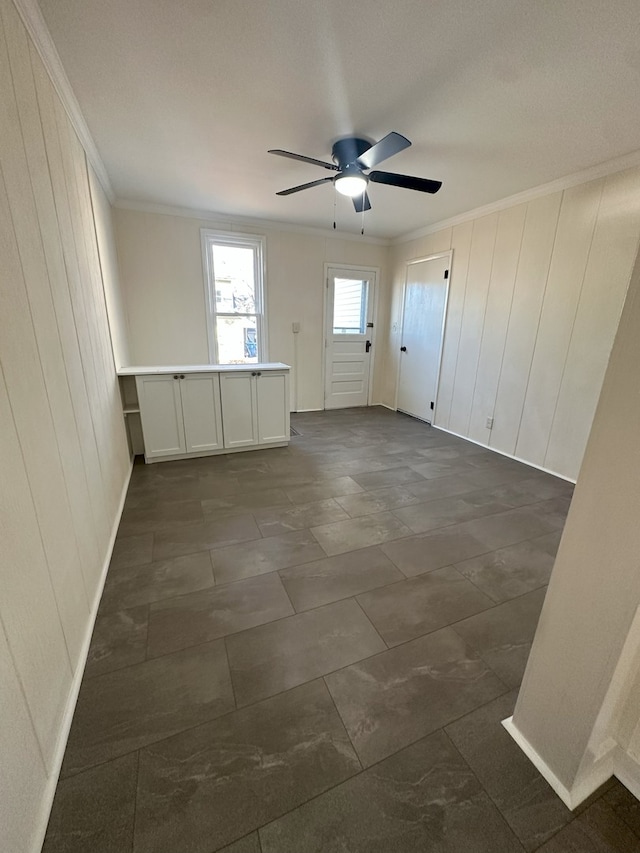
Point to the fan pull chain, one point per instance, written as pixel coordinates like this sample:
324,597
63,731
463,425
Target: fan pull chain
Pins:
362,231
335,196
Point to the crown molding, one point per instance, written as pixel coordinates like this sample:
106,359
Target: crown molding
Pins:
228,221
601,170
32,18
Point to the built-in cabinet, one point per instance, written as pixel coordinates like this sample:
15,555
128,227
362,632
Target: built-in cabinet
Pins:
198,410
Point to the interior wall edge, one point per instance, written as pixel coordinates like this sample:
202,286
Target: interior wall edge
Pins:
65,725
32,18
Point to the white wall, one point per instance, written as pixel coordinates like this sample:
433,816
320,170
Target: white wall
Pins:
162,278
63,454
579,705
535,298
105,236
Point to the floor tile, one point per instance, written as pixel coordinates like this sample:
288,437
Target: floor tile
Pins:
242,503
341,536
597,830
155,581
94,811
422,799
414,607
507,528
188,620
527,802
275,657
625,805
214,784
264,555
131,551
378,500
118,640
248,844
333,578
442,487
434,470
442,512
159,517
322,491
273,522
416,555
200,537
503,636
124,710
510,572
397,697
388,477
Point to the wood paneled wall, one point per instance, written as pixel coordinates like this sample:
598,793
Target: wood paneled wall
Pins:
64,460
535,299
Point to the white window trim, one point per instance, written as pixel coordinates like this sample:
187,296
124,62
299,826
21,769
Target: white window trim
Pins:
233,238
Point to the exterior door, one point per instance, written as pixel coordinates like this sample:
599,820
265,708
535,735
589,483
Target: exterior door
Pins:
425,305
349,337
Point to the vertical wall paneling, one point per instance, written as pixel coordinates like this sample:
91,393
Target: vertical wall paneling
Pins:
43,306
499,300
483,240
22,763
63,456
461,245
28,603
32,336
531,280
72,336
606,279
576,224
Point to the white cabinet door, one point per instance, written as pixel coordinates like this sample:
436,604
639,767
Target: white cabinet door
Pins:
201,412
273,407
161,415
239,404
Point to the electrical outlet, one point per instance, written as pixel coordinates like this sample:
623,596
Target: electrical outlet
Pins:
489,423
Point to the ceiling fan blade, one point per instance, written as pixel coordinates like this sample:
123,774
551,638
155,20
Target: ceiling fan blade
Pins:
304,159
407,182
389,145
305,186
361,202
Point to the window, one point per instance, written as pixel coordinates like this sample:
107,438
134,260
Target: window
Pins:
233,266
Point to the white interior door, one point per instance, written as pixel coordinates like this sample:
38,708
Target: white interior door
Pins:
425,304
349,337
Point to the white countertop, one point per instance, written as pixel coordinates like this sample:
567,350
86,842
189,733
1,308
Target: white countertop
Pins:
145,370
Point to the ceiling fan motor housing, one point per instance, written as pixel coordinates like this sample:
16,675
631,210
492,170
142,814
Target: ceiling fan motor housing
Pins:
345,151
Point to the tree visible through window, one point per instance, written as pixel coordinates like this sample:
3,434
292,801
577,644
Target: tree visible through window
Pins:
233,267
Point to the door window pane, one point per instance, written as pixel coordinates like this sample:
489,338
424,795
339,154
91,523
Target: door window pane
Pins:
237,340
349,306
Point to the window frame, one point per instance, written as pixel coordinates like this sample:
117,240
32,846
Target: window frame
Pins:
211,237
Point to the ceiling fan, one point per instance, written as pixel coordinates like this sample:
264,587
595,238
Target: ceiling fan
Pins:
352,156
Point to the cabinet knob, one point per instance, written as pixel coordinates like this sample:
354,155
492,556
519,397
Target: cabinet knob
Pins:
259,373
182,376
253,373
176,376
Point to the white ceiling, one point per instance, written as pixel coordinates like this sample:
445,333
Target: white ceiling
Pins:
184,97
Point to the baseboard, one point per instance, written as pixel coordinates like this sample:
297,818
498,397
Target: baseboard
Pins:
507,455
67,717
302,411
599,772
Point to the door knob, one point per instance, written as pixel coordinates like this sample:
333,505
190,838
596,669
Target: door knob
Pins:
403,349
368,346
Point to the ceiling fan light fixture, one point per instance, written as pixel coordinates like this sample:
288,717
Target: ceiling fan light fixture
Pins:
351,185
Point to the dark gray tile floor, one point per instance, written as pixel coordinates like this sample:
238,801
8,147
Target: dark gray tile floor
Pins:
311,648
